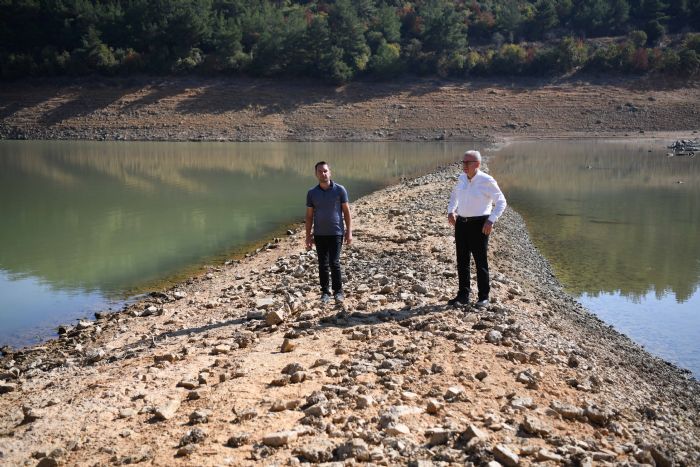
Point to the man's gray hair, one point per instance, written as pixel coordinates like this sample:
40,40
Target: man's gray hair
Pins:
473,152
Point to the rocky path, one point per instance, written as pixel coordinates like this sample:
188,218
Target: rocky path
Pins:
242,366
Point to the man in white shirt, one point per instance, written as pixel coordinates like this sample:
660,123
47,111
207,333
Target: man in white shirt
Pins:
476,203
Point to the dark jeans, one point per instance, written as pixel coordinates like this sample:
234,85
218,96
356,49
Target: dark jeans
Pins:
471,241
328,248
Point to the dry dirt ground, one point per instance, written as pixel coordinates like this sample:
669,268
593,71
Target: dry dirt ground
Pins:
243,109
243,366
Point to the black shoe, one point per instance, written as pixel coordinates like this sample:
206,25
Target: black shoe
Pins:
325,298
339,297
459,300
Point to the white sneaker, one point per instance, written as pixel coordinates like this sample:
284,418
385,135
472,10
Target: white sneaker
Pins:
481,303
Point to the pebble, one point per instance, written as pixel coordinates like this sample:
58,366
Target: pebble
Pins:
82,324
187,384
193,436
238,440
434,406
186,450
494,337
437,436
287,346
221,349
364,401
453,392
274,317
505,456
394,429
7,387
279,438
199,416
127,413
167,410
536,427
318,451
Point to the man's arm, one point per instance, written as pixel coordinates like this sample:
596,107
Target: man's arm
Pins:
452,206
348,222
308,223
499,201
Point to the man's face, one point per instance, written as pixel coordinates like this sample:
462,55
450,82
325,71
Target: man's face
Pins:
470,164
323,173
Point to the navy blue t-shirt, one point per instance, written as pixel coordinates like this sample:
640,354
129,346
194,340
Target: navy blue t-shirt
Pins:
328,211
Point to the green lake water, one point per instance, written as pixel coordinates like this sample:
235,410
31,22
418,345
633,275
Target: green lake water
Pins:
620,223
87,224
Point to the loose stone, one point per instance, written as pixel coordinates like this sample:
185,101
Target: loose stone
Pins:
505,456
167,410
279,438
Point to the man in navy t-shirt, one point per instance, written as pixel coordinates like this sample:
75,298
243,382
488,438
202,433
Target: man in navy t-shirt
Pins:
328,211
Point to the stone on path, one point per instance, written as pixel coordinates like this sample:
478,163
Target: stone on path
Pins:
238,440
279,438
287,346
274,317
536,427
7,387
505,456
168,410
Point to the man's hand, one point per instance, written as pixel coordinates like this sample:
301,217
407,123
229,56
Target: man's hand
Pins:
309,241
451,218
348,237
488,227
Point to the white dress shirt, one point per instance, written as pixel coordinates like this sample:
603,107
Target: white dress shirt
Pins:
476,197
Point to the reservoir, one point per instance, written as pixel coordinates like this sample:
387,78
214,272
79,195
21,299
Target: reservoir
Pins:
619,221
86,225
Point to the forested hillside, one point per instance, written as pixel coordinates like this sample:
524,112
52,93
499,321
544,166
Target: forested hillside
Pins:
342,40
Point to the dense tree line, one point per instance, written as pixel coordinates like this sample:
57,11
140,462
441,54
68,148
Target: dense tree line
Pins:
340,40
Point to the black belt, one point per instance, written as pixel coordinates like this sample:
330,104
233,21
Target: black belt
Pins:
472,219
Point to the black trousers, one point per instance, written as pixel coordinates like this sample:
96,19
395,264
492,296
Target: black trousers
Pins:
328,249
471,241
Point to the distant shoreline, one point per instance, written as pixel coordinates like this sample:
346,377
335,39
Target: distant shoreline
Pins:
245,109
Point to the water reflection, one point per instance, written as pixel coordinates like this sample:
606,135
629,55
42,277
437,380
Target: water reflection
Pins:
619,222
624,219
89,219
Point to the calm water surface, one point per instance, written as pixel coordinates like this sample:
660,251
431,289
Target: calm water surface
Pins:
85,224
620,224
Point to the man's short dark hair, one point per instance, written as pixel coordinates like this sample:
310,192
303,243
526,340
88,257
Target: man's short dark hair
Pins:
319,163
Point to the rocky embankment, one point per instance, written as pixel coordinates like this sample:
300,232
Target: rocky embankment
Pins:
243,366
242,109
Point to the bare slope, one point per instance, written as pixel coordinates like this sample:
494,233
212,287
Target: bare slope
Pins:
264,110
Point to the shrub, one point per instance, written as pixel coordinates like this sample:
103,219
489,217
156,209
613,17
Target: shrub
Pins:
386,61
571,53
190,62
689,62
638,38
692,42
510,59
640,60
670,61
